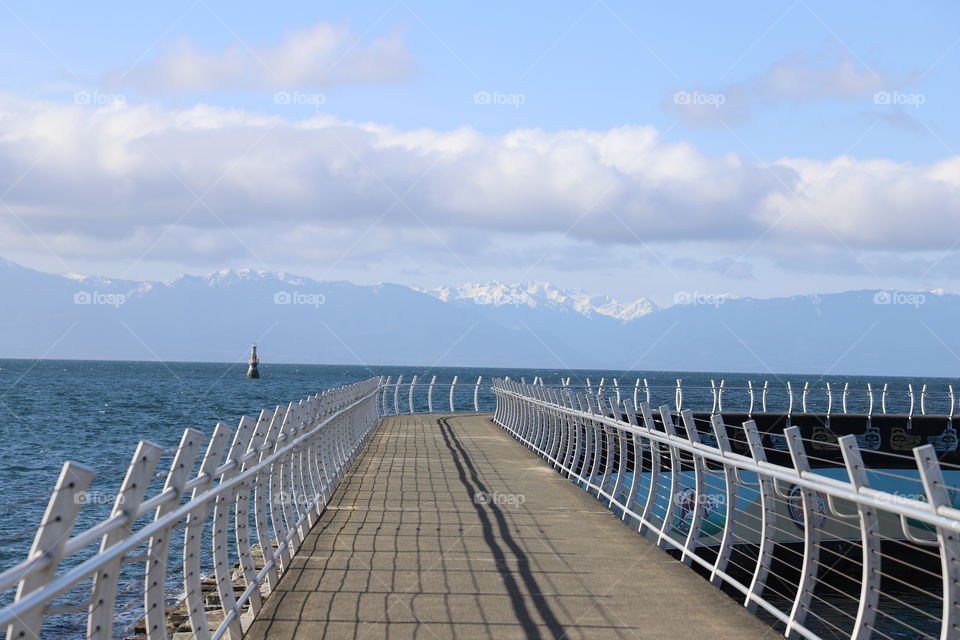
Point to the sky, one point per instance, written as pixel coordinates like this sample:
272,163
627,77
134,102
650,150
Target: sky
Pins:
635,150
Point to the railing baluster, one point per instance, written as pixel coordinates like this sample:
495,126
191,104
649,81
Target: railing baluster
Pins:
663,540
811,536
396,396
413,384
631,412
596,430
938,496
696,515
52,536
730,512
223,570
132,490
194,530
476,394
383,396
572,436
870,542
767,520
242,511
263,515
611,441
159,544
654,489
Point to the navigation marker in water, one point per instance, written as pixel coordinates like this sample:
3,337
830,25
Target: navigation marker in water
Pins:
252,371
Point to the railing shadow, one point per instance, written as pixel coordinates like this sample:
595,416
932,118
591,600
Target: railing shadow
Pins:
498,526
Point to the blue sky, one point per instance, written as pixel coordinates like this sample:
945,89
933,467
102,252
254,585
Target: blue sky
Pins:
781,147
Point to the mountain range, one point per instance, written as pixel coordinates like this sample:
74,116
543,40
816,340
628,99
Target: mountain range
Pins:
296,319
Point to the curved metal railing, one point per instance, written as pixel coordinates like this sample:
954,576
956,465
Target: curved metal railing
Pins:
800,526
246,509
422,394
824,549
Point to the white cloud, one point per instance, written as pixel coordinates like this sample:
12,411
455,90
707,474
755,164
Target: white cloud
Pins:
826,75
119,180
315,57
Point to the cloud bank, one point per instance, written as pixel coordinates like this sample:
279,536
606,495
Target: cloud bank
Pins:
124,181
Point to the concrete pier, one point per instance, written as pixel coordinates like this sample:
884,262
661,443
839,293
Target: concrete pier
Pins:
446,527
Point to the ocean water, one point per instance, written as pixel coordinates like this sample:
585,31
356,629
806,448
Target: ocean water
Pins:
94,412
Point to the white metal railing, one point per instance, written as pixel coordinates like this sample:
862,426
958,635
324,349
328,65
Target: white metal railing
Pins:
245,505
419,394
819,551
258,490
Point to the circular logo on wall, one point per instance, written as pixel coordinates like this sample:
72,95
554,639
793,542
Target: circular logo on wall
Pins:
795,506
686,504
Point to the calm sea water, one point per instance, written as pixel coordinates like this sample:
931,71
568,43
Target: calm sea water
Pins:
94,412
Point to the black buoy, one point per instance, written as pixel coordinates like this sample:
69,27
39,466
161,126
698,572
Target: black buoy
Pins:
252,371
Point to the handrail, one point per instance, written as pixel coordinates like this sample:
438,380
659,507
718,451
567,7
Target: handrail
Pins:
294,459
267,481
422,395
663,488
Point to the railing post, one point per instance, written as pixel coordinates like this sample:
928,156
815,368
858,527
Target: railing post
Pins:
870,538
596,429
383,397
242,511
159,544
261,499
811,536
654,489
476,394
453,386
396,396
413,382
937,495
569,435
611,439
732,495
194,530
696,516
556,442
631,411
223,571
578,462
667,420
767,519
433,381
621,456
132,490
279,507
52,536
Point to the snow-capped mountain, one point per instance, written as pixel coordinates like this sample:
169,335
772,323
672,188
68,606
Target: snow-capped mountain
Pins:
543,295
215,317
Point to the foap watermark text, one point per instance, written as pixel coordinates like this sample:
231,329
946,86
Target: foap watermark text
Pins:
499,499
299,298
96,297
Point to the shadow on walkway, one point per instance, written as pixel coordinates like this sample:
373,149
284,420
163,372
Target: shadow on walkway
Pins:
448,528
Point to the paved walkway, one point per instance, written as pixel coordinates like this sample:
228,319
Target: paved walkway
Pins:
406,550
